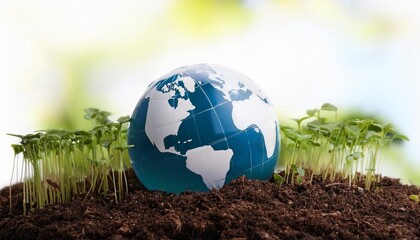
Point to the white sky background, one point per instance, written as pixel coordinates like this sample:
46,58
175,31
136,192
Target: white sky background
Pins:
354,54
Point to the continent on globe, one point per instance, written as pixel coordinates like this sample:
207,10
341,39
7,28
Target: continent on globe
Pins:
216,164
201,126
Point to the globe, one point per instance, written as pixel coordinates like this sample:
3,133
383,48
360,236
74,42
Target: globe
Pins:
201,126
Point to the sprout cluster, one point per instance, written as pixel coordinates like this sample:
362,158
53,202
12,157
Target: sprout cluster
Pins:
350,149
55,164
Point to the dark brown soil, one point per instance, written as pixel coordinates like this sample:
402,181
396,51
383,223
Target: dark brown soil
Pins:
244,209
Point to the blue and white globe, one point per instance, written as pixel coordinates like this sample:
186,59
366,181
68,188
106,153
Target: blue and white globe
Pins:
201,126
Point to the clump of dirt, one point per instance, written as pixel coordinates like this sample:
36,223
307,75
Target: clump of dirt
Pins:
243,209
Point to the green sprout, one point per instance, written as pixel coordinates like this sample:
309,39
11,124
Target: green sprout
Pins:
350,149
414,198
54,165
298,172
278,179
57,164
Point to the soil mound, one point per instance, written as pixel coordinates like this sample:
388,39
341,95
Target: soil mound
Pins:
244,209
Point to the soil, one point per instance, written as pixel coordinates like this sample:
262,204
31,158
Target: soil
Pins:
243,209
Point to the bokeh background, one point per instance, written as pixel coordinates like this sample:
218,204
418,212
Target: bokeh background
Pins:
59,57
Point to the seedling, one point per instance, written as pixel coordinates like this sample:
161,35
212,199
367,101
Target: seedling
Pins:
298,172
336,149
414,198
278,179
57,164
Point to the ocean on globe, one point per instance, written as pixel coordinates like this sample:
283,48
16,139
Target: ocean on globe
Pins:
201,126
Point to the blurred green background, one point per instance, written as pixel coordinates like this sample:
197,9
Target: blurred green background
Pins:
59,57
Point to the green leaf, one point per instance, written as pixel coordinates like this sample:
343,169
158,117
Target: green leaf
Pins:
67,135
365,123
112,124
403,137
284,128
33,140
296,120
388,128
328,107
297,170
56,132
278,179
312,112
100,127
328,128
15,135
372,135
376,127
91,113
355,156
303,137
91,110
299,179
293,167
82,133
300,120
315,123
104,114
313,143
414,198
106,143
353,130
88,116
291,134
301,172
358,155
18,149
124,119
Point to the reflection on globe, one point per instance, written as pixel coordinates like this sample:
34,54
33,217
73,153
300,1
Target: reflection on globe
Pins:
201,126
